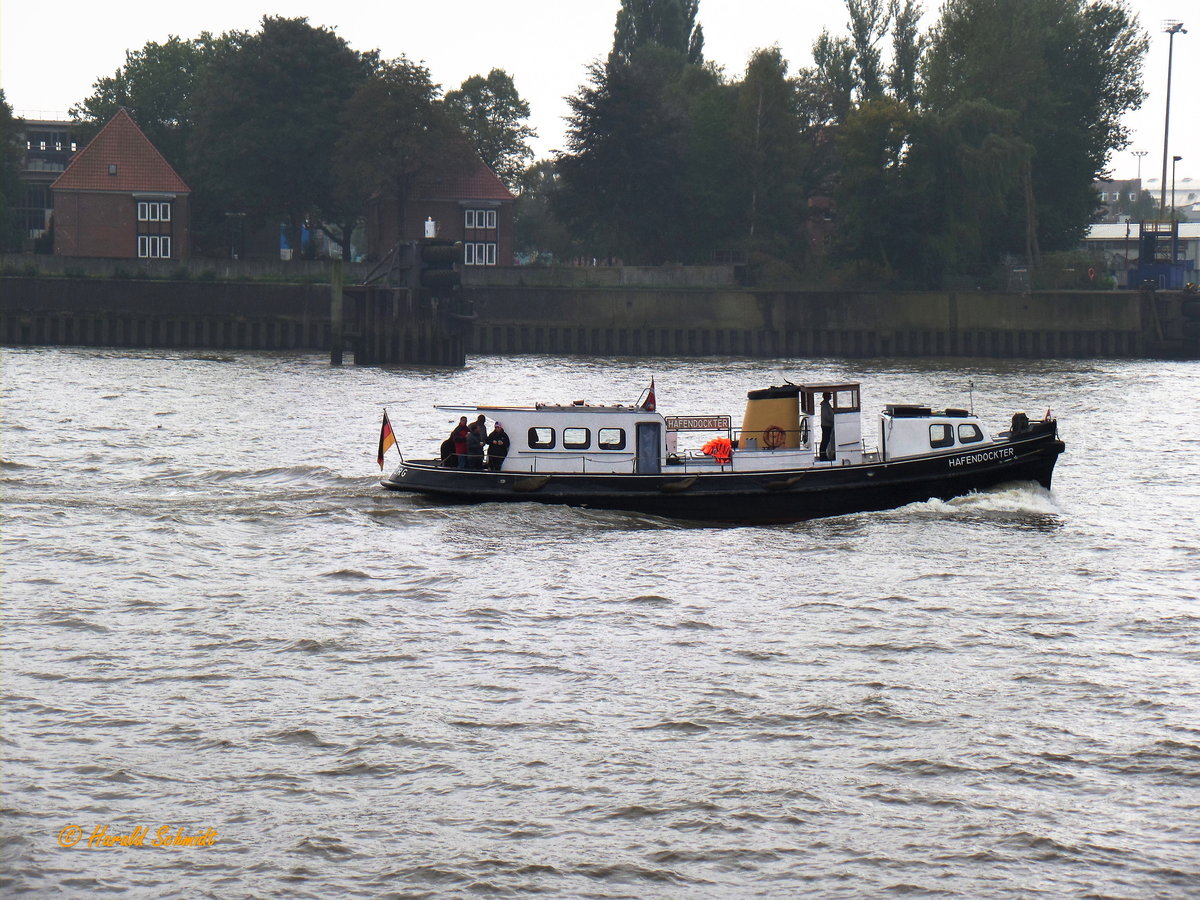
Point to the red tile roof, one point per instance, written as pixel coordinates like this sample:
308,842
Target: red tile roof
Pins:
480,184
139,165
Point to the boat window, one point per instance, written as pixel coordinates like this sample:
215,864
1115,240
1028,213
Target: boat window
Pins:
969,434
940,435
846,400
541,438
576,438
611,438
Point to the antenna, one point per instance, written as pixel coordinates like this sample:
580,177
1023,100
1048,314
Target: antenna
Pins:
971,387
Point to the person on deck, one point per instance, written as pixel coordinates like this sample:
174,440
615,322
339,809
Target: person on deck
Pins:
497,447
475,442
827,447
459,435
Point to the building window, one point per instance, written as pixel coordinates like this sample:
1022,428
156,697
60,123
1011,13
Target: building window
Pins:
153,212
1132,196
479,254
479,218
1103,197
154,246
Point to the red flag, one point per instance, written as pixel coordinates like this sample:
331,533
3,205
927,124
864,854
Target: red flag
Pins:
650,402
387,438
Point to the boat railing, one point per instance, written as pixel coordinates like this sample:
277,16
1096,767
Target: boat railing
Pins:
553,461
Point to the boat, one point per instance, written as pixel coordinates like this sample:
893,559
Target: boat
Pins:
772,468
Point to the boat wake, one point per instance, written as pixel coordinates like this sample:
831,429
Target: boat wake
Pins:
1014,500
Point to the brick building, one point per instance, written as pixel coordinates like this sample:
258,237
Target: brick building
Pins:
472,206
120,199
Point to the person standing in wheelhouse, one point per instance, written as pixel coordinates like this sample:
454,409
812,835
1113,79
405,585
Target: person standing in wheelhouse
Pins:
827,445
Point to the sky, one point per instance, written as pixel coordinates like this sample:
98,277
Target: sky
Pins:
545,45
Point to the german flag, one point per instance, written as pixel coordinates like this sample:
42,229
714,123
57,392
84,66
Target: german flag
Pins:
387,438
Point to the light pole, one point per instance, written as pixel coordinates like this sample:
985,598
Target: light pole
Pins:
1172,28
1139,154
1174,159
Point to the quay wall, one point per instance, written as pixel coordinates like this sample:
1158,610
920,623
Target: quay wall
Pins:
740,322
112,313
616,320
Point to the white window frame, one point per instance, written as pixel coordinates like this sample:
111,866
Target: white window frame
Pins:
479,253
154,246
491,218
149,211
469,220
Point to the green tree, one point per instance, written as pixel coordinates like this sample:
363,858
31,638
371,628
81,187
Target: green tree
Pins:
1067,71
879,211
394,129
11,188
267,122
622,187
768,139
908,46
493,116
157,85
669,24
540,236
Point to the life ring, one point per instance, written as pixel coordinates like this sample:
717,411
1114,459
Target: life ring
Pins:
804,432
773,437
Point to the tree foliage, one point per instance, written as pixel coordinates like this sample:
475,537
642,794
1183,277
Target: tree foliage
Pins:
393,129
10,167
1066,71
669,24
158,86
267,120
621,180
492,115
540,235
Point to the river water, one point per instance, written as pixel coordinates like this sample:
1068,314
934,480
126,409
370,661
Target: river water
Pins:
215,624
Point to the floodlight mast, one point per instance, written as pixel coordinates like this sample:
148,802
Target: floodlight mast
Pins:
1172,28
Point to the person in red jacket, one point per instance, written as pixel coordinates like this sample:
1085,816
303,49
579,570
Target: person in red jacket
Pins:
459,435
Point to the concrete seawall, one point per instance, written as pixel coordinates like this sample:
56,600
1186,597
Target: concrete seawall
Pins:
94,312
784,323
621,321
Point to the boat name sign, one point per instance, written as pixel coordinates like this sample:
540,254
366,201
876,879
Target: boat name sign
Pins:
697,423
985,456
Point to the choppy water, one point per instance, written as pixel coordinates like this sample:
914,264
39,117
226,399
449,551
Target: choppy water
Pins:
214,619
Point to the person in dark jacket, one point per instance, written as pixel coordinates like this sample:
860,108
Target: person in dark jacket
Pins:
497,447
827,448
475,441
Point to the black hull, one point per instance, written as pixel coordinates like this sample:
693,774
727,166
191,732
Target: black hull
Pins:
782,496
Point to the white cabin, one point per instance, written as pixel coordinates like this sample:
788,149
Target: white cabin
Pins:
906,431
781,430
